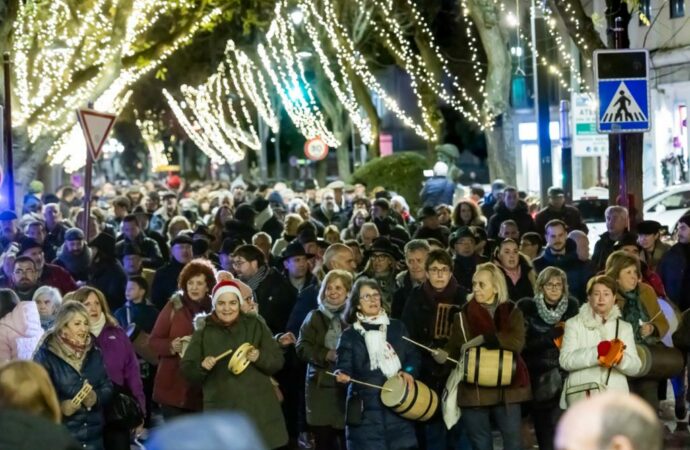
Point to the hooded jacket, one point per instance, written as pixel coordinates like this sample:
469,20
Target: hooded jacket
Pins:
501,213
20,332
579,351
251,391
436,191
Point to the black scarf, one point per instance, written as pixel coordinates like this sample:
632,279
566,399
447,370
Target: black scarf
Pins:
77,265
447,295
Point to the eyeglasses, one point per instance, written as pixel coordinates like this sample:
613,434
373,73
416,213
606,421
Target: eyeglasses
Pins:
370,297
380,256
238,263
20,272
439,271
553,285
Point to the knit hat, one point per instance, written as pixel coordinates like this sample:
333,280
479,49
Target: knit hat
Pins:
225,287
74,234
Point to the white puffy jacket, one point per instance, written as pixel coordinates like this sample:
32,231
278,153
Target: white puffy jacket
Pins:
579,351
20,332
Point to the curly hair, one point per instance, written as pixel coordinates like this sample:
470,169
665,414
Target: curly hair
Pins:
197,267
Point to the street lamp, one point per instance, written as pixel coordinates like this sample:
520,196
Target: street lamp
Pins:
297,16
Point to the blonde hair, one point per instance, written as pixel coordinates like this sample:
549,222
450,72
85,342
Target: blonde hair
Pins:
331,234
26,385
82,294
619,260
69,309
548,273
292,221
336,274
180,222
497,280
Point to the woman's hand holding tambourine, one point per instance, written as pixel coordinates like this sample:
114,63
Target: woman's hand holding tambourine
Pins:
208,363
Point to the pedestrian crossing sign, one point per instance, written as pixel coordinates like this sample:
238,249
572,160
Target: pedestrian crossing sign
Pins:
623,91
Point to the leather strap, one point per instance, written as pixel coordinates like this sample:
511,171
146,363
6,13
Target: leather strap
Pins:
500,368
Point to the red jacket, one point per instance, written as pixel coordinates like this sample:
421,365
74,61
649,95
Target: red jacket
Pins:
175,320
58,278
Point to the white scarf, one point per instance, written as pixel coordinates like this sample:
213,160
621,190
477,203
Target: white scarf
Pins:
97,327
381,354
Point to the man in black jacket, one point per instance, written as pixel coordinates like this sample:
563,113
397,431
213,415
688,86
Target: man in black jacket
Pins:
557,209
617,228
74,256
133,235
165,279
464,242
511,207
416,253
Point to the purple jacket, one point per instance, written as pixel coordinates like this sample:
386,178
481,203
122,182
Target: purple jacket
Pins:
121,362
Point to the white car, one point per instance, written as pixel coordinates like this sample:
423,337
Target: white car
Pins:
666,207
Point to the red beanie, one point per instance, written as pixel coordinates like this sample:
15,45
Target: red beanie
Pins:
224,287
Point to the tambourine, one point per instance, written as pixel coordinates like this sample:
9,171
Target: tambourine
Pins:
185,343
239,362
614,355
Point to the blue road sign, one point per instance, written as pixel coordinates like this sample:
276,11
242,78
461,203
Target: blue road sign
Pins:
622,78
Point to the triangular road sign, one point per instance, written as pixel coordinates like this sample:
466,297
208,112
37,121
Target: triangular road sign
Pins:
623,108
96,126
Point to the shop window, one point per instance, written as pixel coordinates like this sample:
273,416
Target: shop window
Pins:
677,8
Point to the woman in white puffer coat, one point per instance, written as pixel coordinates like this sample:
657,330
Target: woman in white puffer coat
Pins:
587,340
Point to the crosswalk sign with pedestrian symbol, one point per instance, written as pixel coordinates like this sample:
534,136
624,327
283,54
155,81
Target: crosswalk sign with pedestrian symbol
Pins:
623,91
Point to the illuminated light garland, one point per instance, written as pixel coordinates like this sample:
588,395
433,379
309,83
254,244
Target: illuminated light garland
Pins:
391,32
44,76
349,57
150,135
287,74
199,139
341,87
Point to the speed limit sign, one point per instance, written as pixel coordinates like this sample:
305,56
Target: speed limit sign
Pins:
315,149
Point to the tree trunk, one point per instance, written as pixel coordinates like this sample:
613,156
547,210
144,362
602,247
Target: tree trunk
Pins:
502,163
321,171
499,142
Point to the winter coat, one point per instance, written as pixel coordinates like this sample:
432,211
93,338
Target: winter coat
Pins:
109,277
381,428
577,272
86,426
501,213
151,254
21,430
273,227
337,218
239,230
505,330
650,303
568,214
441,233
251,391
121,361
77,266
579,351
602,249
464,268
681,337
58,278
403,290
420,316
436,191
325,399
20,332
540,352
673,270
525,284
165,283
276,298
142,314
175,320
307,300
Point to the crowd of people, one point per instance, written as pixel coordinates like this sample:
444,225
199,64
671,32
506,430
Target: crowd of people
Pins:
299,308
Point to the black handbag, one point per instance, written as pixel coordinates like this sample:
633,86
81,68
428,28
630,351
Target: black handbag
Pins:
354,409
548,385
123,411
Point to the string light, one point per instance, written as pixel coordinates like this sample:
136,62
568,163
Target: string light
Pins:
61,63
150,135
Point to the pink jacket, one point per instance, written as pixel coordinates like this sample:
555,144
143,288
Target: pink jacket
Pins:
20,332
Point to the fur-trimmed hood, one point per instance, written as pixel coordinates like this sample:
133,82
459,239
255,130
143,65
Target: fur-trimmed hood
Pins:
199,321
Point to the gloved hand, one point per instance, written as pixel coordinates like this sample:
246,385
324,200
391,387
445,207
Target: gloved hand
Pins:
68,408
603,348
440,356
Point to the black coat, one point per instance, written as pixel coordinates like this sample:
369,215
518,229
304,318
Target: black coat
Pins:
540,352
381,428
84,425
577,272
23,431
602,249
523,287
151,254
109,277
419,317
273,227
276,298
673,270
568,214
464,268
307,300
520,215
404,286
337,218
235,229
165,283
441,233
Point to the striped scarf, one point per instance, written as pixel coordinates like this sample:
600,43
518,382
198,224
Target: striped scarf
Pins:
255,280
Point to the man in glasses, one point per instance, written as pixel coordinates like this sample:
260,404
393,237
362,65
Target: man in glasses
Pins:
24,278
561,252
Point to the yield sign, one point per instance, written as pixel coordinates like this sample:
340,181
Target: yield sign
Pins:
96,126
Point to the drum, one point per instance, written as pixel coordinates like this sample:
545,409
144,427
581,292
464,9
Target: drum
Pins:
239,362
489,368
659,362
140,341
420,403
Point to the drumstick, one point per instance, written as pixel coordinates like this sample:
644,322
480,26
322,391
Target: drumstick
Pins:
655,316
223,355
427,348
363,383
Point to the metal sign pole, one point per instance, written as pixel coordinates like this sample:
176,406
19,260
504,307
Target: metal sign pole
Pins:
622,182
87,189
